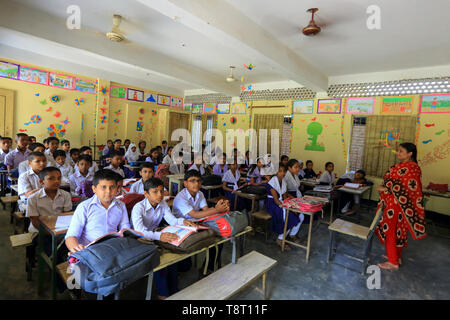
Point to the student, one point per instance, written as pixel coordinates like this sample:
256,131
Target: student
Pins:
116,160
309,172
168,157
221,167
108,147
132,155
117,147
301,172
230,185
246,164
142,153
5,145
197,165
177,166
254,175
349,203
29,181
48,200
85,150
147,172
74,155
284,160
277,192
328,176
145,218
53,145
99,215
32,139
126,144
65,146
291,178
81,174
34,147
268,170
61,164
45,142
164,148
21,153
154,157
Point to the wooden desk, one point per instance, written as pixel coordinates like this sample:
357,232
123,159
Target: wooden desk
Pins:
15,188
178,179
309,182
209,188
430,193
3,182
252,197
47,226
360,191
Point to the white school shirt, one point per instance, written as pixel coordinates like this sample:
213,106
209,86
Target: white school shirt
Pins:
28,181
137,187
24,167
167,160
66,172
185,203
39,204
116,170
176,168
50,160
93,169
91,220
2,156
195,167
145,218
255,174
327,178
229,178
281,189
76,179
164,150
292,183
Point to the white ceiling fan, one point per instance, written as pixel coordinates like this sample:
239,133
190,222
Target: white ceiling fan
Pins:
115,34
230,77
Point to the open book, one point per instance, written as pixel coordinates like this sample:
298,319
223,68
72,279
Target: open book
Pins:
122,233
182,232
352,185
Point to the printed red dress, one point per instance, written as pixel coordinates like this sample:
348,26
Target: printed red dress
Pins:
403,210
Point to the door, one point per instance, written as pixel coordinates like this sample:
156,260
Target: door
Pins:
6,113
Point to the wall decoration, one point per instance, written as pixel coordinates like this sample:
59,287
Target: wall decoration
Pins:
23,130
103,110
329,106
141,110
135,95
57,114
104,101
103,119
154,112
302,106
426,141
36,119
428,125
118,112
66,121
249,66
176,102
104,90
197,108
163,100
85,86
223,108
440,152
79,101
149,97
56,130
233,120
49,109
238,107
439,132
116,121
61,81
390,136
360,105
140,126
43,102
210,108
55,99
118,92
396,105
33,75
435,103
187,107
314,129
9,70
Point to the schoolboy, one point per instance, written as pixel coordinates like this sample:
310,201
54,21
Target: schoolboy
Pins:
82,173
65,146
147,172
116,160
74,154
34,147
21,153
63,166
5,145
29,181
88,151
53,145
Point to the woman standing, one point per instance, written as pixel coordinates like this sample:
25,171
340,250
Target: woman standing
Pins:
401,194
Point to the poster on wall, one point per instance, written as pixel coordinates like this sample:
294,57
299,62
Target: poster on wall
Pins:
149,97
135,95
223,108
396,105
33,75
360,105
9,70
331,106
238,107
197,108
176,102
187,107
118,92
210,108
435,103
163,100
85,86
303,106
61,81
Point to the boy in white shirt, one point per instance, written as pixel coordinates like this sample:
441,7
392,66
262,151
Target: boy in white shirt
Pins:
82,174
88,151
146,172
29,181
328,177
63,166
53,145
34,147
65,146
5,145
116,160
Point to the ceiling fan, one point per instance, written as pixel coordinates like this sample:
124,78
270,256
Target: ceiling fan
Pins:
312,28
230,77
115,34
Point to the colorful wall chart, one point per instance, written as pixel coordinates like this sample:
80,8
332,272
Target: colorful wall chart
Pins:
360,105
187,107
329,106
135,95
302,106
163,100
9,70
238,107
118,92
435,103
197,108
314,129
210,108
33,75
176,102
223,108
85,86
61,81
150,97
397,105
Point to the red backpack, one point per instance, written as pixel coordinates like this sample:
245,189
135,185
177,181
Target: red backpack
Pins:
130,200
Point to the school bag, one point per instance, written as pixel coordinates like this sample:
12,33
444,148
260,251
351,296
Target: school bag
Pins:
258,190
194,242
161,172
302,204
109,266
130,200
211,180
86,189
227,224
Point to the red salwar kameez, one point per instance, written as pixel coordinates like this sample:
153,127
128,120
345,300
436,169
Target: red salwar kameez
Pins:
403,201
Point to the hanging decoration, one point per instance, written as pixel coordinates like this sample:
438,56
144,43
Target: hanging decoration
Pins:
118,112
104,101
79,101
342,137
103,119
56,130
116,121
141,110
66,121
154,112
416,139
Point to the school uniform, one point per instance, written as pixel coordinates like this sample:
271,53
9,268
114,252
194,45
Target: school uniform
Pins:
91,220
28,181
2,156
105,151
116,170
255,174
153,161
23,167
200,168
164,150
68,160
232,183
217,170
66,172
292,184
279,214
176,168
77,179
40,204
50,160
309,173
185,203
327,178
137,187
93,169
15,157
167,160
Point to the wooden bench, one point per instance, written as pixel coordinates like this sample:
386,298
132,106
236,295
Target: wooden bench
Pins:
24,239
8,199
216,199
265,217
229,280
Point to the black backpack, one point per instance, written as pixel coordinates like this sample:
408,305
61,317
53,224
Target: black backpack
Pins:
259,190
211,180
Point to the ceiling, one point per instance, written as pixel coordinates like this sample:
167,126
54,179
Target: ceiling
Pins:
177,45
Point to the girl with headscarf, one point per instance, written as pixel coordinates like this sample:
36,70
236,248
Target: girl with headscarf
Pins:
132,154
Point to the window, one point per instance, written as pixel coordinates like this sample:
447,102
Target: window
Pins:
196,132
268,122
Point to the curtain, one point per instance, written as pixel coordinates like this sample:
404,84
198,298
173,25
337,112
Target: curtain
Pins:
178,121
268,122
383,135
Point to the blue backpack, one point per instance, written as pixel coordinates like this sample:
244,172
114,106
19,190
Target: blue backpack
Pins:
108,266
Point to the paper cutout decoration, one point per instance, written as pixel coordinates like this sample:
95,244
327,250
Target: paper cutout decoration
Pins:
104,91
9,70
33,75
233,120
23,130
197,108
118,92
427,141
396,105
154,112
36,94
43,102
329,106
66,121
140,126
223,108
360,105
55,99
314,129
249,67
149,97
390,136
302,106
439,132
163,100
61,81
118,112
435,103
116,121
210,108
135,95
57,114
79,101
56,130
141,118
104,101
238,107
187,107
242,88
103,119
49,109
141,110
103,110
176,102
429,125
85,86
36,118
